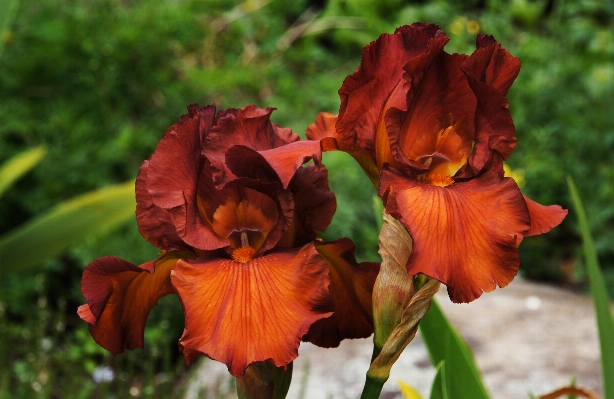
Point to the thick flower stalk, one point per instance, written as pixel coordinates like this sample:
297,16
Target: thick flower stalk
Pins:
432,130
236,215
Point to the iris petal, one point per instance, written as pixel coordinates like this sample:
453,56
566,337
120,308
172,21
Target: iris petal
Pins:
241,313
465,235
351,289
120,296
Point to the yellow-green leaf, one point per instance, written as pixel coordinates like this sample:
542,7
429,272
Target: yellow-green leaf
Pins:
21,163
408,391
64,225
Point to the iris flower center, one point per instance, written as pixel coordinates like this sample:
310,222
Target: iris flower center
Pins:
438,179
245,252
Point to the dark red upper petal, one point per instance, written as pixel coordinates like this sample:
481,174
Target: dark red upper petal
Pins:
315,203
154,222
465,235
490,71
365,93
351,290
248,126
173,177
276,164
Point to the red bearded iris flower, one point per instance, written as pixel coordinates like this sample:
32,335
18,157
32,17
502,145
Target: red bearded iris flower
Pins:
432,130
225,196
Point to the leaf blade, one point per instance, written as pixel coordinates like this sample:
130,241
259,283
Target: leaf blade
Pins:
17,166
444,343
605,320
66,224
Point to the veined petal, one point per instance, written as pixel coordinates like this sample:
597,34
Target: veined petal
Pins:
465,235
154,222
544,218
241,313
351,289
173,177
365,93
120,296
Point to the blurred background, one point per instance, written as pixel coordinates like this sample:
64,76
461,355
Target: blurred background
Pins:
97,82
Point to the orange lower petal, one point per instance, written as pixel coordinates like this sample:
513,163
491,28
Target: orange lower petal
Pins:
241,313
351,289
120,296
544,218
465,235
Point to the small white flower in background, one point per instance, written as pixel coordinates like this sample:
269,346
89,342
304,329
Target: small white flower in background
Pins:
103,374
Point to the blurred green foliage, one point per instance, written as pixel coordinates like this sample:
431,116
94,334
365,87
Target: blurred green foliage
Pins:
97,82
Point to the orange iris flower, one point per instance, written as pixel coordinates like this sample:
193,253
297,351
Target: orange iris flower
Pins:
432,130
227,200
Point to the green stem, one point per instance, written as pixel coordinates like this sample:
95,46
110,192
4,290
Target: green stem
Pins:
373,388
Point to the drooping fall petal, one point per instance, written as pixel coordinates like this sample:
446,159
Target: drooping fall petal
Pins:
120,296
241,313
351,288
173,178
465,235
544,218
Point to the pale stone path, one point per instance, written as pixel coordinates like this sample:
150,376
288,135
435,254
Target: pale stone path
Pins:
527,337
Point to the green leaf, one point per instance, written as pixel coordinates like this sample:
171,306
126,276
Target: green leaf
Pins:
444,343
64,225
605,322
21,163
440,387
7,11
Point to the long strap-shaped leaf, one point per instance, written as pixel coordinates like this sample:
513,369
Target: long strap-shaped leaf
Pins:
64,225
445,344
605,321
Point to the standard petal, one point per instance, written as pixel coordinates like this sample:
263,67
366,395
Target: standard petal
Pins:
492,64
248,126
490,71
544,218
365,93
120,296
241,313
438,97
465,235
173,176
314,203
284,161
154,222
351,289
